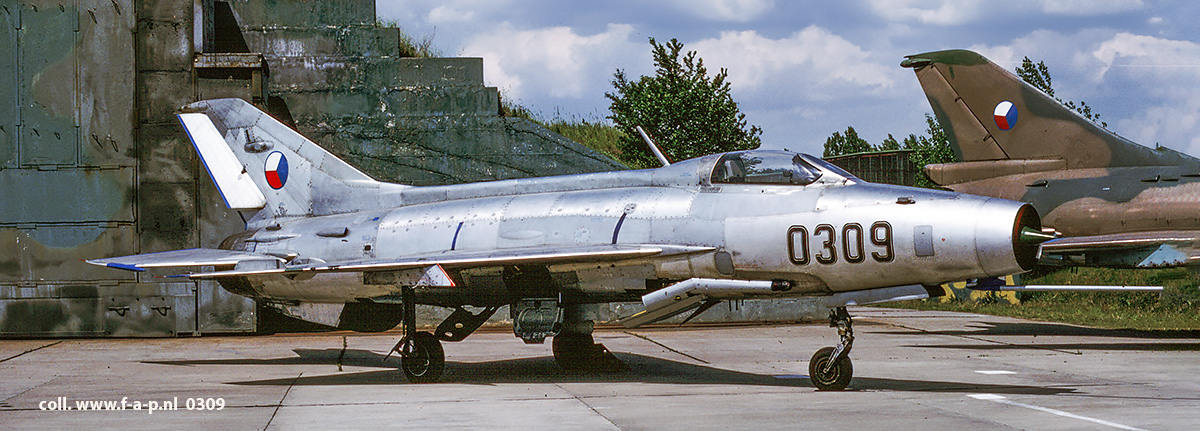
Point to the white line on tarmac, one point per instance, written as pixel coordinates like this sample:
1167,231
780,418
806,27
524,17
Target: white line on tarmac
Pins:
1002,400
995,372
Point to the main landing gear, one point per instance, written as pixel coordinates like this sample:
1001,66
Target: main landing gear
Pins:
830,368
421,356
422,359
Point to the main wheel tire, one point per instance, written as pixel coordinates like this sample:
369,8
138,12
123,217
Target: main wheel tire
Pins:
838,376
573,351
426,362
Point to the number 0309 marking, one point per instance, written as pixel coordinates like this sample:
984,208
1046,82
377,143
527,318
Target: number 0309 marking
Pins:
850,240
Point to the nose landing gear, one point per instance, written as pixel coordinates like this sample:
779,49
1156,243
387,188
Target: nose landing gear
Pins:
830,368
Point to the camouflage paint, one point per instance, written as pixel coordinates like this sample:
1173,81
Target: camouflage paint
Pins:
1087,182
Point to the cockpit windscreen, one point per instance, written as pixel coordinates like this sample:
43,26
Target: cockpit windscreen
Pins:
764,167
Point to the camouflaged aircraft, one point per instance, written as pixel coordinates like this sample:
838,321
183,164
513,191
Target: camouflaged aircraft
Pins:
337,247
1114,203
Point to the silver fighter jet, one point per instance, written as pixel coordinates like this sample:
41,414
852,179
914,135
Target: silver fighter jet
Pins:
327,243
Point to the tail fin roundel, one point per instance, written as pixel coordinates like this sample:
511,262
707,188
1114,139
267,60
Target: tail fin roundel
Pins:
258,162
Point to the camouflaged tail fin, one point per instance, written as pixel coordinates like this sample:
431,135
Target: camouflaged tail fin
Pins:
991,115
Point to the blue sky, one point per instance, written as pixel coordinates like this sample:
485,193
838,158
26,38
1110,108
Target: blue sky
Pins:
802,70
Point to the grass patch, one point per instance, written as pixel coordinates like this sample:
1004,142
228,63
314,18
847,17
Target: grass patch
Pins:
593,133
409,45
596,135
1177,308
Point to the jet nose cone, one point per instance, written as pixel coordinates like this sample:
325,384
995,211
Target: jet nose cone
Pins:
1031,236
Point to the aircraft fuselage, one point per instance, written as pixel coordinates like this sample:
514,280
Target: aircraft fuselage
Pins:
830,236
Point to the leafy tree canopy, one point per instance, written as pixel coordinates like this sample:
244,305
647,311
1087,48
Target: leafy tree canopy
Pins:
1038,75
687,113
931,147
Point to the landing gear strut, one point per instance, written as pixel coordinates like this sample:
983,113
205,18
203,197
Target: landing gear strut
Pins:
830,368
421,356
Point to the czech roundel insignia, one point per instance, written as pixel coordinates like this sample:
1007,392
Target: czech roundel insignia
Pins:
277,170
1006,115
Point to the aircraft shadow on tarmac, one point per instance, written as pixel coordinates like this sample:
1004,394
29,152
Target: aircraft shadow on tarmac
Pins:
642,369
1039,328
1033,329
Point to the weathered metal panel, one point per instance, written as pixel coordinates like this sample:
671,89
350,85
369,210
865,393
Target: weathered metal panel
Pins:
105,309
164,10
183,305
43,253
224,87
114,316
51,316
105,34
164,45
221,311
9,111
161,94
66,195
48,85
139,316
167,216
166,154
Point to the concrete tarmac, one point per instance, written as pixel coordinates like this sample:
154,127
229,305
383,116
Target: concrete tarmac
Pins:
914,370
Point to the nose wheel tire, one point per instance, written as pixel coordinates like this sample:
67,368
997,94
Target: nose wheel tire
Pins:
423,359
829,378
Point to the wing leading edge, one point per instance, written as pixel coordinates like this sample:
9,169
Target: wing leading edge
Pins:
1158,249
450,259
183,258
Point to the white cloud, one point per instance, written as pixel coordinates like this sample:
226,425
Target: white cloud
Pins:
552,61
726,10
1089,7
1165,71
940,12
1147,51
959,12
809,61
448,14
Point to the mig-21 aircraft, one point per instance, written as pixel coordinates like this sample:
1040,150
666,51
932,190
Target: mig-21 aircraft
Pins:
1115,203
321,235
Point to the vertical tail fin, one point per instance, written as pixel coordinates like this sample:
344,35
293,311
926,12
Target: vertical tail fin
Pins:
990,114
258,162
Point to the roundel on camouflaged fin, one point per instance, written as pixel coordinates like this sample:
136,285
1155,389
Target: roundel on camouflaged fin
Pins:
1006,115
276,170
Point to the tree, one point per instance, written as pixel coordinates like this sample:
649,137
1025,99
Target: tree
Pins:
1038,75
931,148
849,143
687,113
